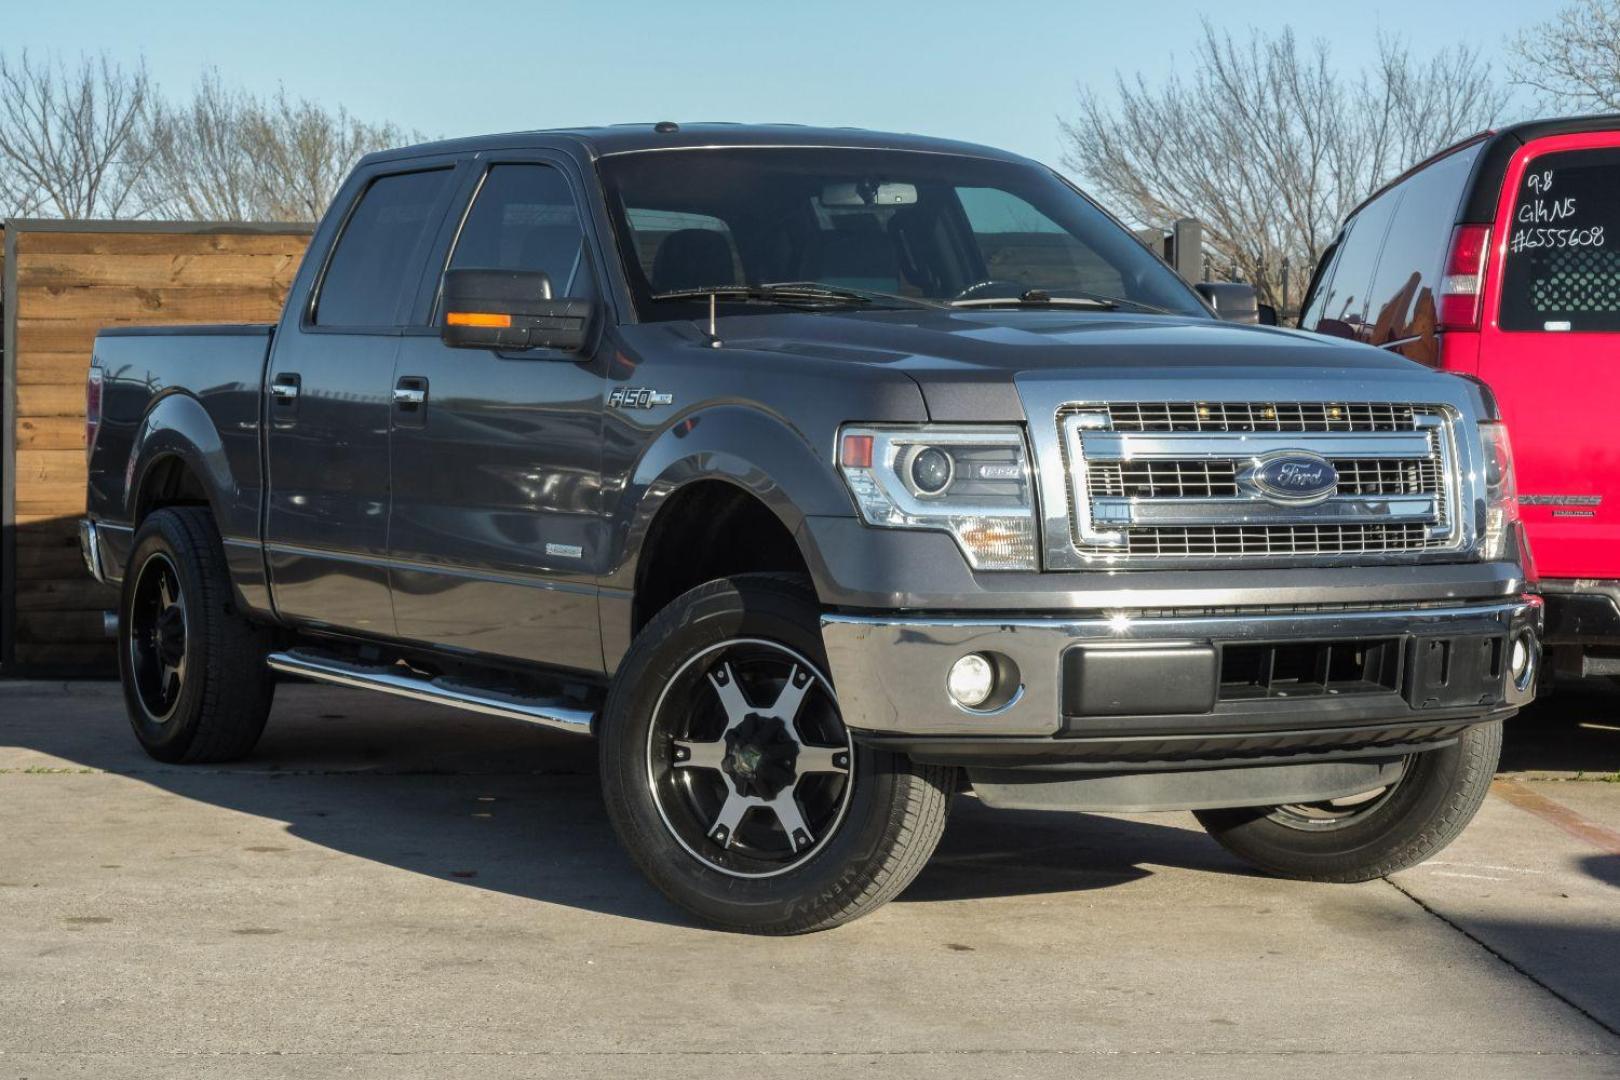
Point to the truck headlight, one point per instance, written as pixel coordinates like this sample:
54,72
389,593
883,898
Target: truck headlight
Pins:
1501,492
970,481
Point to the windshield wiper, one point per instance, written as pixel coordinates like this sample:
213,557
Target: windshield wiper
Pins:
806,293
1042,298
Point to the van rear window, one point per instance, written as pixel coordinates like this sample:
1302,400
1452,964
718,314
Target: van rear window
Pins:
1562,271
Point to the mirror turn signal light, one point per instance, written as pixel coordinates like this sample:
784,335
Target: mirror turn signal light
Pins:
477,318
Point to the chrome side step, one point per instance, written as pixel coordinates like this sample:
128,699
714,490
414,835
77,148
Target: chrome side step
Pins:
440,691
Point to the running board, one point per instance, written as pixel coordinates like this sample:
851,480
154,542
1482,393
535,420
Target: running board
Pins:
439,691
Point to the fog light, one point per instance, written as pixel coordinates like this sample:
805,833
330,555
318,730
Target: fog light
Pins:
972,680
1519,660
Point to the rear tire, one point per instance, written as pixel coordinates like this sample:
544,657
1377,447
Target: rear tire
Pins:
195,681
752,814
1409,822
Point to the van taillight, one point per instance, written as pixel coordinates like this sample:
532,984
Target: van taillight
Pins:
92,408
1464,279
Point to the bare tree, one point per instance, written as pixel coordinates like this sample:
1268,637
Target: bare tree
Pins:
227,155
69,137
201,163
302,152
1572,60
1269,145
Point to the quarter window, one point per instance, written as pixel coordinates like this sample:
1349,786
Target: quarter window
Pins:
1403,293
1344,295
380,250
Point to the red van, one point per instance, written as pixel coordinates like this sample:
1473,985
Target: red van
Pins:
1499,258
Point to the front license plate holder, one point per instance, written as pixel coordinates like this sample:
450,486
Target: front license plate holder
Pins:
1448,672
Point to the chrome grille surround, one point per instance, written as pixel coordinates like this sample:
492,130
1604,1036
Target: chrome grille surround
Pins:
1256,416
1155,484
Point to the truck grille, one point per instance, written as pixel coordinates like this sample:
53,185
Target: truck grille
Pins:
1184,480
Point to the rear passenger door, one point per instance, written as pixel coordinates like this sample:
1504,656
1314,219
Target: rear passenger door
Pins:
331,369
496,535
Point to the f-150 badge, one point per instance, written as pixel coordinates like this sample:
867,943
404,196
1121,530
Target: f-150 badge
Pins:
637,397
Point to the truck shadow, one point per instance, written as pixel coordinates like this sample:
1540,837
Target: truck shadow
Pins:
513,808
1575,728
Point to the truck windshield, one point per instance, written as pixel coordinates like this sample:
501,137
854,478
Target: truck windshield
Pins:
889,228
1562,271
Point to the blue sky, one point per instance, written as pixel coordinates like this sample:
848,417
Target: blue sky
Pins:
993,72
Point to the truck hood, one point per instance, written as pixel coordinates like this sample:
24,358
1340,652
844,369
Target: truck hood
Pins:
969,363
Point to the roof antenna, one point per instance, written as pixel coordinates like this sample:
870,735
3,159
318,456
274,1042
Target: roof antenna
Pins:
714,337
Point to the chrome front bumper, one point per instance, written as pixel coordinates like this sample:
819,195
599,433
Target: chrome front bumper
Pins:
891,671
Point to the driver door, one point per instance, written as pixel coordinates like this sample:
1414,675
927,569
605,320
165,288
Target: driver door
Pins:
496,535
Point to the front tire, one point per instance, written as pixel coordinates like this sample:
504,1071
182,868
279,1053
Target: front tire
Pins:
1374,835
195,681
732,782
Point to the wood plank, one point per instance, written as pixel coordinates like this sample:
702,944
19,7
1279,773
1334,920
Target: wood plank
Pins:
196,303
156,243
39,368
34,467
80,659
56,335
79,335
50,433
42,521
59,500
60,534
79,627
80,594
157,271
49,563
50,399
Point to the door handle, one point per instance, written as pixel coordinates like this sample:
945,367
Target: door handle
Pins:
284,388
411,392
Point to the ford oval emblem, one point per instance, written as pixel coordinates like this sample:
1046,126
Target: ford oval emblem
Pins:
1294,478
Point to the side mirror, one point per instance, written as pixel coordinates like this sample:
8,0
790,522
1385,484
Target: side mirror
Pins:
1268,315
1233,301
510,309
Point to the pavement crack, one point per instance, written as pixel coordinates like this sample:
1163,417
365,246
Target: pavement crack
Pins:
1503,957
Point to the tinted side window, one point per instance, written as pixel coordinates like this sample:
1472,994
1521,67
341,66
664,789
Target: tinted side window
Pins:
377,254
1317,294
1563,261
524,218
1405,285
1344,299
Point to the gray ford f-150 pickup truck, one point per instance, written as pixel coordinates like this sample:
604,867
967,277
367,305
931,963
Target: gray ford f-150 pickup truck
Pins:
821,475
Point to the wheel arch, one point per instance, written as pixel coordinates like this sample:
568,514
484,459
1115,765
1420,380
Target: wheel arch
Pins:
725,474
177,458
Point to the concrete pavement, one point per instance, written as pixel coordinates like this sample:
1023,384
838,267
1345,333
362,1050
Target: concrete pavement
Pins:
391,889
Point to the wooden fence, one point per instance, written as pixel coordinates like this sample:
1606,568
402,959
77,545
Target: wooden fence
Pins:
63,281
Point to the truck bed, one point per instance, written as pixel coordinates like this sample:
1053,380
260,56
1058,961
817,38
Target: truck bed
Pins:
197,387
